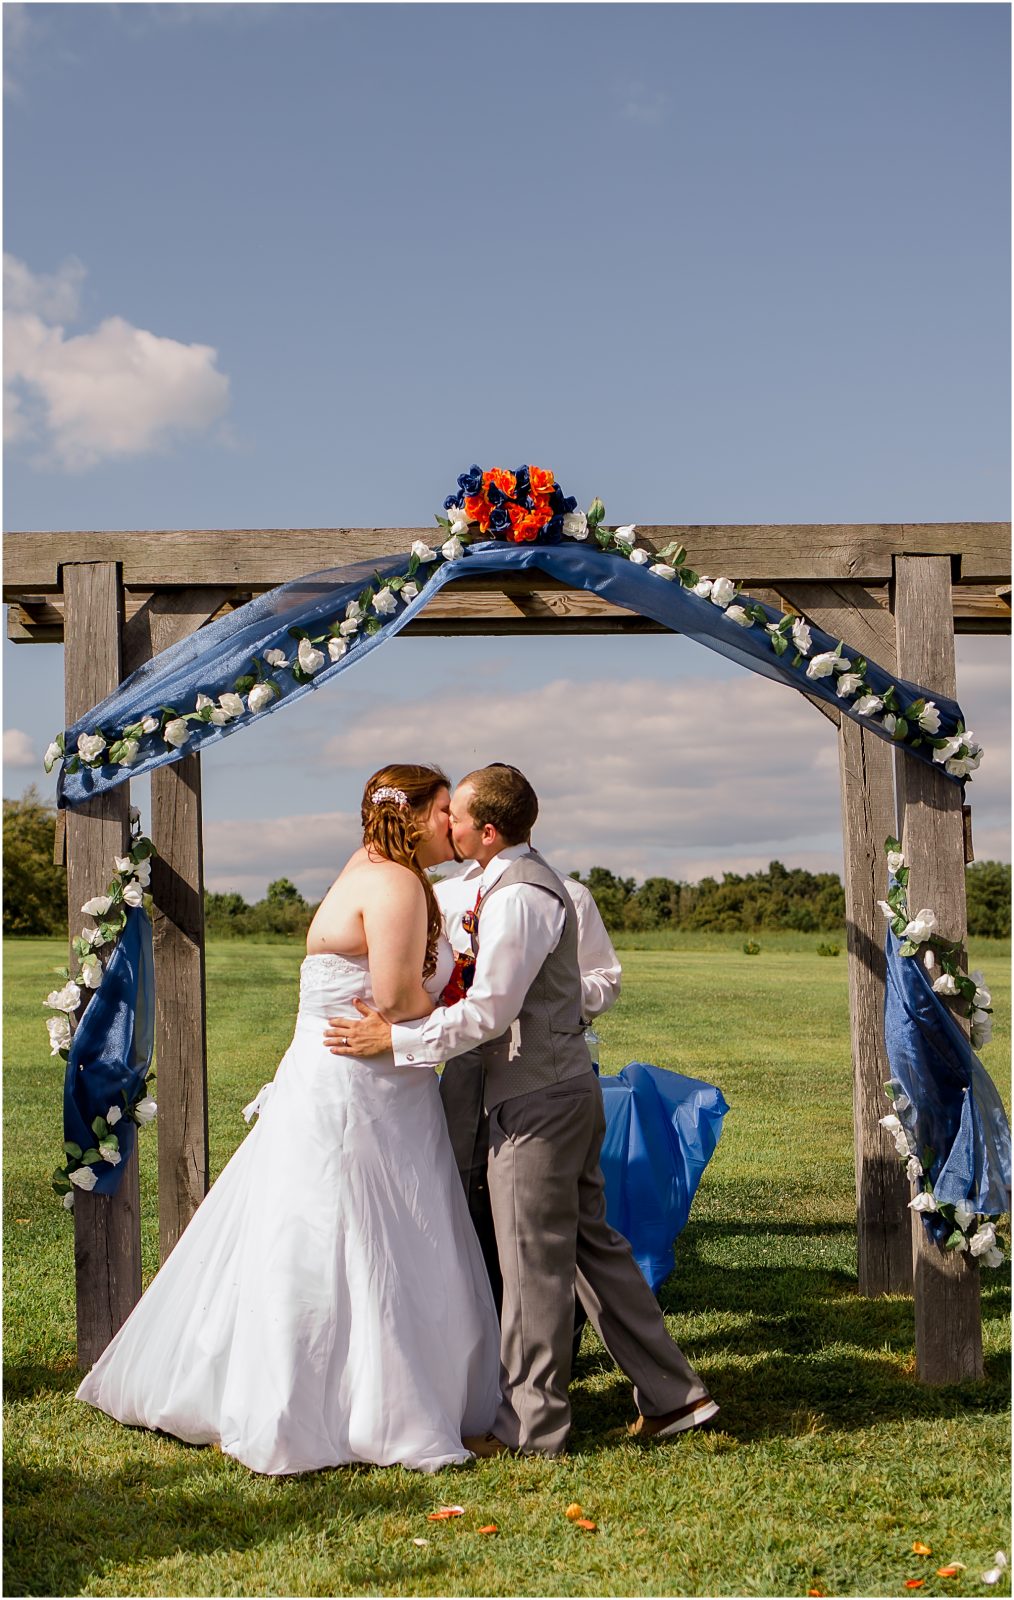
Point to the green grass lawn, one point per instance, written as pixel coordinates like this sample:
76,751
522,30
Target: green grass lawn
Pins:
830,1461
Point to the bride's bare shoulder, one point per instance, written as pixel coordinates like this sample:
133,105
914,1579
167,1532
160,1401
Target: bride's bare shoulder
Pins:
367,875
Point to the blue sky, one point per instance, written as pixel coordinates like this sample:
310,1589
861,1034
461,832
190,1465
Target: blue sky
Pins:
299,265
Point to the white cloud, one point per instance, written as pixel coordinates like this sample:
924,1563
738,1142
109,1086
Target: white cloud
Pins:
636,102
118,391
311,850
19,750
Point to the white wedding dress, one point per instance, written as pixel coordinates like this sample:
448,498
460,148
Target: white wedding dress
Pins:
328,1303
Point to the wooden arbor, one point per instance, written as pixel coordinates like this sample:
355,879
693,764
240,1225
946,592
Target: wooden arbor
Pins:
897,593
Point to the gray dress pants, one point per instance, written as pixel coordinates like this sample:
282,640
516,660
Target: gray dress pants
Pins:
548,1199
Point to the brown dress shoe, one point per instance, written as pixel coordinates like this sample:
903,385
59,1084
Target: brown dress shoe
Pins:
674,1422
486,1444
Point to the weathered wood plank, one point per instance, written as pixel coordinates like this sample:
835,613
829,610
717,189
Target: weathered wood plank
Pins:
177,886
263,557
849,611
948,1328
107,1228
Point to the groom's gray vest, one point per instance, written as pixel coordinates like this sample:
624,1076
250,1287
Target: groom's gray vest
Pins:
549,1046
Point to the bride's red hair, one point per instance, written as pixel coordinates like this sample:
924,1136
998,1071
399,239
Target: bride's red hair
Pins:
391,828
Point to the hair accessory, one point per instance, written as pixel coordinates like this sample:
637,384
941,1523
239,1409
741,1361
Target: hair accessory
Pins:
399,796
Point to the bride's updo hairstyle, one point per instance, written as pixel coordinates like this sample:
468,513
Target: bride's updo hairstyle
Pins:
395,801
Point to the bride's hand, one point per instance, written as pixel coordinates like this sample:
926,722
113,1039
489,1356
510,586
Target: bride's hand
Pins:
368,1035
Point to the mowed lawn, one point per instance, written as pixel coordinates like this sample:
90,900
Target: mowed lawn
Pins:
830,1460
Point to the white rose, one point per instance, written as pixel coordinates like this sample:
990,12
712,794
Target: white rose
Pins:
982,1026
575,525
923,1202
723,592
822,666
891,1124
109,1152
929,960
901,1103
895,860
913,1169
625,535
176,733
929,718
66,999
231,704
964,1216
123,864
133,894
384,602
145,1111
349,627
801,637
422,551
982,996
921,926
91,972
868,705
219,718
703,588
902,1144
994,1257
59,1033
945,984
135,817
336,648
261,695
310,660
113,1116
949,748
97,906
452,549
639,557
958,766
143,872
129,752
52,756
737,614
276,658
983,1239
890,723
458,517
68,1200
849,683
83,1178
842,663
888,910
149,724
661,570
90,746
961,1247
409,591
202,702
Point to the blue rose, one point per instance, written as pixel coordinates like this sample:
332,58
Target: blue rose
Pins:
454,501
552,533
522,485
496,497
560,502
470,482
499,521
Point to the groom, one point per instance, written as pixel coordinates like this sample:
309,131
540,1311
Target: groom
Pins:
546,1129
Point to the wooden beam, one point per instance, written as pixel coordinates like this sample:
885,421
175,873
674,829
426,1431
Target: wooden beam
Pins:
533,603
948,1328
177,886
261,558
107,1228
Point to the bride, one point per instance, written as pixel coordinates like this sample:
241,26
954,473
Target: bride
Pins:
328,1303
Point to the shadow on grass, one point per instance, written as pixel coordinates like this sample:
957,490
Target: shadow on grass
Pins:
66,1528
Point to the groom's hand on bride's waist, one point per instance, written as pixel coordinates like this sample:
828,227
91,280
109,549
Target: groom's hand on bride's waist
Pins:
365,1035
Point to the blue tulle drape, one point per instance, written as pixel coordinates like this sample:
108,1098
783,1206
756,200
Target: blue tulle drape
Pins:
955,1111
210,660
111,1050
661,1131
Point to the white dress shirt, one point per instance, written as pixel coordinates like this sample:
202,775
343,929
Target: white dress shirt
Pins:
599,963
520,927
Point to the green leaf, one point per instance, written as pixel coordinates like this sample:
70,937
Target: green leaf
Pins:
61,1184
892,844
89,1158
444,522
688,577
907,948
603,536
298,673
955,1239
413,566
73,765
142,850
797,660
596,511
244,684
72,1149
902,876
373,625
298,633
900,729
779,643
890,1091
99,1127
81,947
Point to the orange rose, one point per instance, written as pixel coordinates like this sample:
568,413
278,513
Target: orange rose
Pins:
477,509
504,480
541,480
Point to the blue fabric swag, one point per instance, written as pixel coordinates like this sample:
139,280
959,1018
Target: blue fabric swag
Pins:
210,660
955,1110
661,1131
111,1050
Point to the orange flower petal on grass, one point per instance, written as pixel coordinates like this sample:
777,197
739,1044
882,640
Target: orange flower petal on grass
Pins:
920,1549
947,1572
586,1523
490,1527
914,1583
573,1511
443,1512
817,1591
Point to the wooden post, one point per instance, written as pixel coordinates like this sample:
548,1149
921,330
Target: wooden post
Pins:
866,770
107,1228
177,886
948,1327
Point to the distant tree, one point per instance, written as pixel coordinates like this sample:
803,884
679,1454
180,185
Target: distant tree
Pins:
988,890
610,894
226,914
657,904
35,891
283,892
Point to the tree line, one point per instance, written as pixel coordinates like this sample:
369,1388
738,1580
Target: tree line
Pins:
35,894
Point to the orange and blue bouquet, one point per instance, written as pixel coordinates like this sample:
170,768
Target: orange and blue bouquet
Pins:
519,506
